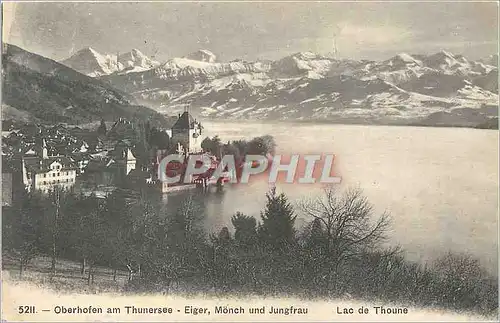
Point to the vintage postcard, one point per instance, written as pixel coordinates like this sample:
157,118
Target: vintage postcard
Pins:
249,161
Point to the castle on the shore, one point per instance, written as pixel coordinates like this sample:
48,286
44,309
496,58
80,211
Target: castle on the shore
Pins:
187,133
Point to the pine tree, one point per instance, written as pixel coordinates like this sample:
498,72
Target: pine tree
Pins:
277,230
277,235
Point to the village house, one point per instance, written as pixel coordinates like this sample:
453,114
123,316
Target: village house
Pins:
113,168
80,147
43,172
81,161
98,174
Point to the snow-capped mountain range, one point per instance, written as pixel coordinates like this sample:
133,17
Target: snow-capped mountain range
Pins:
92,63
441,88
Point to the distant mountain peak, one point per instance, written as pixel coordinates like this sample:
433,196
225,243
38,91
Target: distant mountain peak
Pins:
134,52
402,60
90,49
90,62
308,56
135,61
206,51
491,60
405,57
442,56
93,63
203,55
445,53
85,51
443,60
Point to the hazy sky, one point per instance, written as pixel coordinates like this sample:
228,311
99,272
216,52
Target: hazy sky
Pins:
256,30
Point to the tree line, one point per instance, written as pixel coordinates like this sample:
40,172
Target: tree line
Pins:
339,253
261,145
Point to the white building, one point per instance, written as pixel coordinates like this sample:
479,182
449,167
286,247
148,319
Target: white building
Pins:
44,173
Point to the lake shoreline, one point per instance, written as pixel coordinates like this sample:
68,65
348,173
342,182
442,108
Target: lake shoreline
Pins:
340,122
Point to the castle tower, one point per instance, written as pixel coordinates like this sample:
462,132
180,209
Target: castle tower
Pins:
187,132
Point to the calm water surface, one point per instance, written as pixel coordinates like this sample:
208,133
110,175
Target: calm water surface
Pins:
439,184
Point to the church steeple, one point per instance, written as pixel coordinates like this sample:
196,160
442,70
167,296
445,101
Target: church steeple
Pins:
44,150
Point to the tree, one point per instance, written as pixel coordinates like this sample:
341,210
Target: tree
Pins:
206,144
278,259
92,233
179,242
53,216
241,147
73,209
119,223
23,227
462,280
262,145
460,266
70,212
212,145
343,226
222,267
148,130
101,130
148,239
224,236
142,147
231,149
245,229
159,139
278,219
57,216
251,260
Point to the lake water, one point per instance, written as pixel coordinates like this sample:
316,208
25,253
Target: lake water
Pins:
439,184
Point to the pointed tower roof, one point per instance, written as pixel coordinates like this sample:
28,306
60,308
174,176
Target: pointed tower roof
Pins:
130,155
185,121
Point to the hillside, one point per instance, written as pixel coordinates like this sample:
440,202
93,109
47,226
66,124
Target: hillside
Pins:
403,89
10,113
38,87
